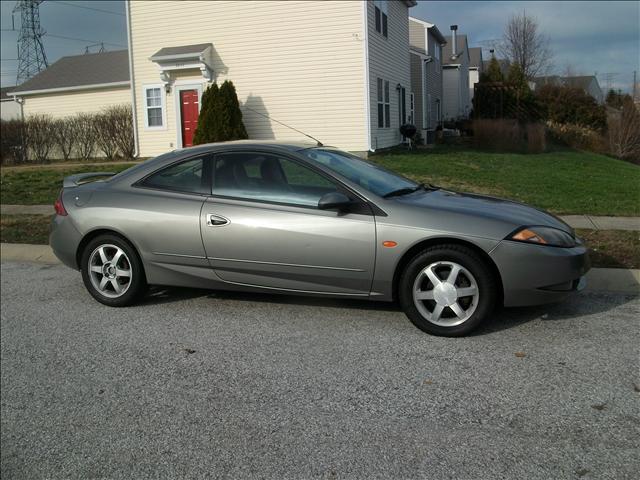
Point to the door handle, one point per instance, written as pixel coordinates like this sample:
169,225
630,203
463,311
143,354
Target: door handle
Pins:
216,220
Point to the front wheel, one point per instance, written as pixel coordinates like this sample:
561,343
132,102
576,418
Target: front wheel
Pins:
447,290
112,271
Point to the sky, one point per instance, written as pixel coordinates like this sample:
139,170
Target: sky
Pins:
587,37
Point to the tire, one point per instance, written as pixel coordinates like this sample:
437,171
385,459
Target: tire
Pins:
439,306
123,282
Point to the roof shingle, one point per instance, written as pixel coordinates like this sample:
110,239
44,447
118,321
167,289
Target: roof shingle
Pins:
81,71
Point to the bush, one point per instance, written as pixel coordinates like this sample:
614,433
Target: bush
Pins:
120,119
12,142
105,135
572,106
64,136
220,116
82,126
624,133
40,137
578,137
507,135
536,138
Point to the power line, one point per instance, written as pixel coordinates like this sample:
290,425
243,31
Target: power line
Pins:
86,8
84,40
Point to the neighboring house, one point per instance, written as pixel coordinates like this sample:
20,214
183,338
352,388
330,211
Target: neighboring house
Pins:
589,84
456,103
476,67
425,49
338,71
9,107
78,84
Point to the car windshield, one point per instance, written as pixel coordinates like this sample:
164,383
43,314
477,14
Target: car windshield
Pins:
369,176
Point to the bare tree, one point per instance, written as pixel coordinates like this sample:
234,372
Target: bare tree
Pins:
524,44
624,132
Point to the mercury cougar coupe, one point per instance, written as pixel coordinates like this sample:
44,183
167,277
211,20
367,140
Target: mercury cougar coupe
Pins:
311,220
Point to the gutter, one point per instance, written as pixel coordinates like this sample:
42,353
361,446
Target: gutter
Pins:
136,142
367,85
20,93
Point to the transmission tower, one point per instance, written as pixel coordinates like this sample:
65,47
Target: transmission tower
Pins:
31,56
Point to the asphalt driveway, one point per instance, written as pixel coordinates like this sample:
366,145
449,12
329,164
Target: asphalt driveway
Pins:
198,384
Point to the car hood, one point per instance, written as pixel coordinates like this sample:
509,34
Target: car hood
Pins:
459,206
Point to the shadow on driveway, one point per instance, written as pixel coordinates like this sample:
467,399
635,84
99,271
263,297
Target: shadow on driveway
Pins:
503,318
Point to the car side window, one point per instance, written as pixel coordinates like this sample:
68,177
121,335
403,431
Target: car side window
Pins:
188,176
268,178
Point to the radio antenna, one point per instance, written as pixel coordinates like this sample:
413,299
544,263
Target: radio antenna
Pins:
319,143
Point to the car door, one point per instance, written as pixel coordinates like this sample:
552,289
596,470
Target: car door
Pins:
262,227
164,211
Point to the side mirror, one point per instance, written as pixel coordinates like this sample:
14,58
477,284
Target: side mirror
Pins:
334,201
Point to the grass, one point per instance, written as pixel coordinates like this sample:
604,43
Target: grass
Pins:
612,248
609,248
563,182
32,229
40,186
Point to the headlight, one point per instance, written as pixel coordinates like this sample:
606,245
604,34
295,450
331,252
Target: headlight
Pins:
544,236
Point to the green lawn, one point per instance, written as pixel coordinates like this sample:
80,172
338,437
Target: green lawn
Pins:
564,182
41,185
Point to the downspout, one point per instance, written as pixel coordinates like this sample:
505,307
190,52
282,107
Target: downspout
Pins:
367,85
136,151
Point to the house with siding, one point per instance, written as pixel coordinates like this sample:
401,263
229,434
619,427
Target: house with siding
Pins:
476,67
587,83
10,109
455,77
86,83
425,50
338,71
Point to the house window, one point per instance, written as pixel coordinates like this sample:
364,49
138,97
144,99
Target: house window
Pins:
436,52
412,109
154,106
384,107
402,105
381,16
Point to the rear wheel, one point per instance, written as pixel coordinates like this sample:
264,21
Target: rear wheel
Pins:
447,290
112,271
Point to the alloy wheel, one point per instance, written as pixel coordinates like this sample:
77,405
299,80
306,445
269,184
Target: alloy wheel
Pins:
110,270
446,293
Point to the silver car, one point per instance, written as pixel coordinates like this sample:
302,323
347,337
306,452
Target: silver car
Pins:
311,220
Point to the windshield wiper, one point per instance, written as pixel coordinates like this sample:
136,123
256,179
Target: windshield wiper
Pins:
404,191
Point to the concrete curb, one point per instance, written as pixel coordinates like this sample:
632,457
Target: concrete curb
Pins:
27,210
616,280
23,252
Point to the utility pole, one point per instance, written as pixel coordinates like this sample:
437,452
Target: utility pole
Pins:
31,56
634,85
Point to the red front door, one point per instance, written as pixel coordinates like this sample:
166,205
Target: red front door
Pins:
189,115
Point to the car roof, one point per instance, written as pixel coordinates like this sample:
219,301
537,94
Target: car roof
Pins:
269,144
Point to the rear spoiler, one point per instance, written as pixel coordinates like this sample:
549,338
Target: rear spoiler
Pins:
80,178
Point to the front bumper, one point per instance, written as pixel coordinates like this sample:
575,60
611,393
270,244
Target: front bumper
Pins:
64,240
536,274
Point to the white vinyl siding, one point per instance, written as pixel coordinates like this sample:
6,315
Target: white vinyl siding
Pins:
65,104
299,62
389,60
